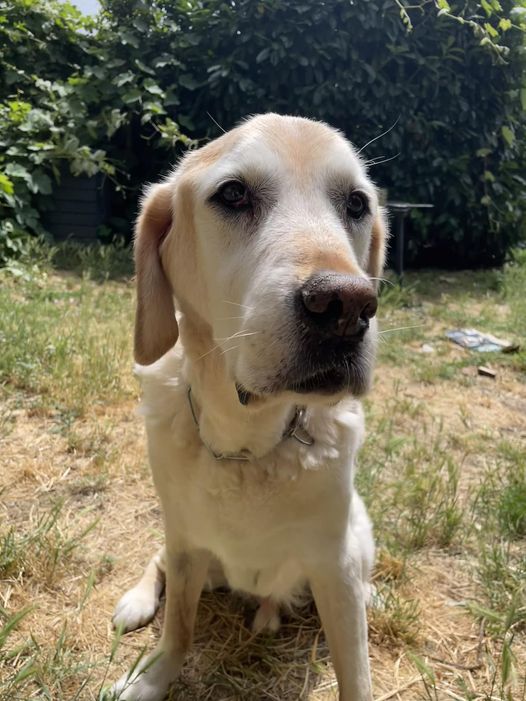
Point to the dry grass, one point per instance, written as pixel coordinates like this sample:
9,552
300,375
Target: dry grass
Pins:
442,472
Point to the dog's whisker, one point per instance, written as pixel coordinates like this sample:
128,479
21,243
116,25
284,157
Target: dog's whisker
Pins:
401,328
373,159
208,352
238,334
237,304
226,350
380,135
348,373
244,333
383,279
384,160
216,123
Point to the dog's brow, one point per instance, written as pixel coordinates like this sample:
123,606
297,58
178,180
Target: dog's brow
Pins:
256,179
340,181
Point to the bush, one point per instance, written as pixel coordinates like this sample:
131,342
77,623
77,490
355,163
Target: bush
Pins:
42,118
58,106
445,84
451,105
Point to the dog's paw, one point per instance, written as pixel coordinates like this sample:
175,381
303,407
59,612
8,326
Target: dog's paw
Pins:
149,681
130,689
267,617
135,609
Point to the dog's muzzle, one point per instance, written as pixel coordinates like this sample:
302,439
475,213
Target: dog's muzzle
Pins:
333,313
337,306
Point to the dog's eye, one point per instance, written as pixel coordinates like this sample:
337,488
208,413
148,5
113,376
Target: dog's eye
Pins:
234,195
356,205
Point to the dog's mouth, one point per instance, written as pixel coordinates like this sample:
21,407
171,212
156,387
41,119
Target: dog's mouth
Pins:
330,368
325,382
328,381
349,374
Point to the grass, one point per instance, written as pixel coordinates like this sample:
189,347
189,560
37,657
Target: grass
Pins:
38,552
443,472
65,338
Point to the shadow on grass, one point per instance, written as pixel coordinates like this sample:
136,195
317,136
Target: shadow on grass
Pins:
430,285
100,262
229,662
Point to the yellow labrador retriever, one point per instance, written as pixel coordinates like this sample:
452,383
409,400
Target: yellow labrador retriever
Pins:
267,243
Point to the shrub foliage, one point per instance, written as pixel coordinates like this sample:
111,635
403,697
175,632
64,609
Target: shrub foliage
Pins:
126,92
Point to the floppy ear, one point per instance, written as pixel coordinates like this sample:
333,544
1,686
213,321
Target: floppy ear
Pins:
156,328
377,249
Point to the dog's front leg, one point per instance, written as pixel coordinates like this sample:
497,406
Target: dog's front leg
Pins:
338,591
186,572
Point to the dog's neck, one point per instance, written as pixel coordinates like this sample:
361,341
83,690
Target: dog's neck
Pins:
225,425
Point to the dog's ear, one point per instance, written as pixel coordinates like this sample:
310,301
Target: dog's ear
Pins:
156,328
378,247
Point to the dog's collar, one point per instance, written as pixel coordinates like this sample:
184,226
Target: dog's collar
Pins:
295,430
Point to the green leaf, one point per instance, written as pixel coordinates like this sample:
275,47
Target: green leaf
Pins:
132,96
508,135
143,67
487,7
507,667
6,184
140,24
170,98
16,170
443,5
154,107
490,30
123,78
29,668
128,38
425,671
263,55
188,82
40,182
152,87
505,24
12,623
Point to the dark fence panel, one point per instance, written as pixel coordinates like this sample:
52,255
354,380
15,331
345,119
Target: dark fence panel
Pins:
78,209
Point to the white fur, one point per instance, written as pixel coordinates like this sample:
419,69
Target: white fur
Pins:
290,516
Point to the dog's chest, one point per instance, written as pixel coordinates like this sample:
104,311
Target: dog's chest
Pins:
252,519
262,531
262,520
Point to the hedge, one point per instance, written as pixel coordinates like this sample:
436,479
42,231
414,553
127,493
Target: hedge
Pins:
444,84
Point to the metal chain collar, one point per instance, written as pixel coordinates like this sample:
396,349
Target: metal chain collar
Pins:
295,430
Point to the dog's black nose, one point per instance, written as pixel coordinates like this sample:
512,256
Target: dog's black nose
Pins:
334,304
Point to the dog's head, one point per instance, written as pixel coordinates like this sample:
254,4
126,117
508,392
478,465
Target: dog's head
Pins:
271,240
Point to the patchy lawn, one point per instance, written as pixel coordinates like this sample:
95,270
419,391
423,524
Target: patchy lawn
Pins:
443,473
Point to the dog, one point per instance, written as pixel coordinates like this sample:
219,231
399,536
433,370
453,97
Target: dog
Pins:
263,251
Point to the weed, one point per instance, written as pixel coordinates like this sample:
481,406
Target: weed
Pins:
501,499
415,486
512,509
49,674
40,551
502,577
393,618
